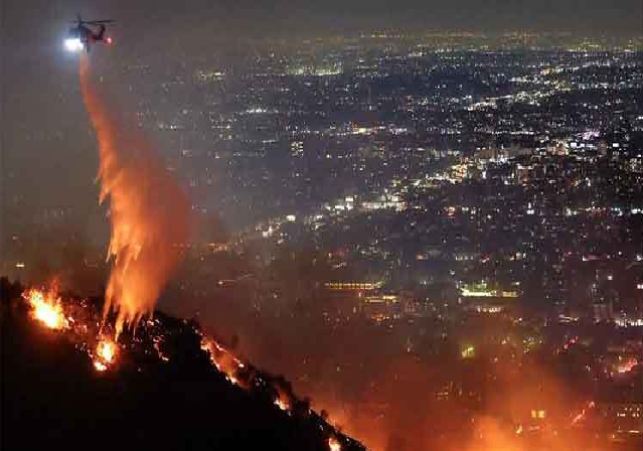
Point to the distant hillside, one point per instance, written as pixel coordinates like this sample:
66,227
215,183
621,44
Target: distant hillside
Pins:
163,393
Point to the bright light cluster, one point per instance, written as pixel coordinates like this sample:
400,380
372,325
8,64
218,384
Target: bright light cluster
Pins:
74,44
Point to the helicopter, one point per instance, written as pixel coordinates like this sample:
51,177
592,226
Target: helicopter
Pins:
84,34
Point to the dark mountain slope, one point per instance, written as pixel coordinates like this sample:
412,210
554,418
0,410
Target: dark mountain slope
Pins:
52,396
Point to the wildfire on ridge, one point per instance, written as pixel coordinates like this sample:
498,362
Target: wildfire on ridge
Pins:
223,360
85,331
238,373
46,308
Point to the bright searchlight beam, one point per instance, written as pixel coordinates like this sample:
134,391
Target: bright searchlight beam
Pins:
73,44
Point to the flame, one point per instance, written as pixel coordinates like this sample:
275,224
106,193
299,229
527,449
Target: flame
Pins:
334,445
231,367
284,400
106,350
105,354
223,360
282,404
148,214
46,308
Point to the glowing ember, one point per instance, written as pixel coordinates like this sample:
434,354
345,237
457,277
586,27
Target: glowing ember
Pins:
46,308
334,445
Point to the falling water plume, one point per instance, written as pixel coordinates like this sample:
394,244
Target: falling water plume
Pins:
148,212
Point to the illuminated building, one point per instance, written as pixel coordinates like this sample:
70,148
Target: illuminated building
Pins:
629,321
624,419
469,352
385,202
381,308
352,286
486,308
603,312
482,290
343,300
482,299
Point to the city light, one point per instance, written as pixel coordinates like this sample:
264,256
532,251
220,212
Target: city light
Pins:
469,352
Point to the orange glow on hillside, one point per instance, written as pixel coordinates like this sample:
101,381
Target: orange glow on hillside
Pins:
223,360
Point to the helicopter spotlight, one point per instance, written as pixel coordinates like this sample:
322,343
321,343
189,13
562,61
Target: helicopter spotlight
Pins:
74,44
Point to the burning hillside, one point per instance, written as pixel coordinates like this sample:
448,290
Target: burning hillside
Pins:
108,372
168,386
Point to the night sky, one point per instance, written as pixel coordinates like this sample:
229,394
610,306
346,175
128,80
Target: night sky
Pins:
46,132
39,18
